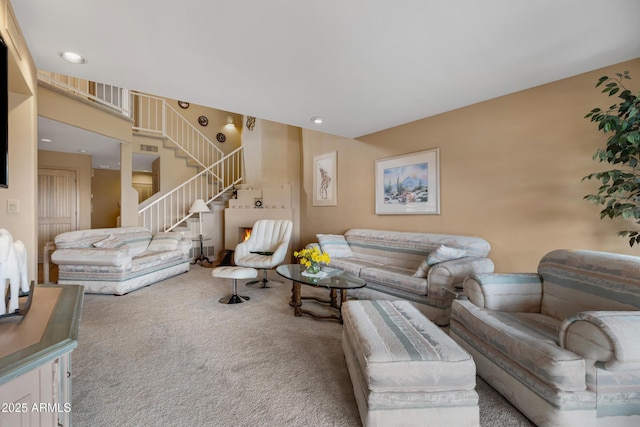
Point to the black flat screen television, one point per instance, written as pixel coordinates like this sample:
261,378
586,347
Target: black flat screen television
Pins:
4,116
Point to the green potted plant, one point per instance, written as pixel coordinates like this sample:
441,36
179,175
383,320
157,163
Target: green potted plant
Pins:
619,191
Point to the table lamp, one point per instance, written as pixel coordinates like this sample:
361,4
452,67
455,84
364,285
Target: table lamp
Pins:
199,207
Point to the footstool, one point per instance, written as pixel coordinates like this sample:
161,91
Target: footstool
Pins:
234,273
404,369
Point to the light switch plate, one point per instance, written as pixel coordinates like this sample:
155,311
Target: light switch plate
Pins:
13,206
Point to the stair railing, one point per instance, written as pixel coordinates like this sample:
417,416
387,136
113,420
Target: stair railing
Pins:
153,116
170,210
112,97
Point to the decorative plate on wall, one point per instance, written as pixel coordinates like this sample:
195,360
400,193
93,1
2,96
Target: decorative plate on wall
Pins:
251,122
183,104
203,121
221,137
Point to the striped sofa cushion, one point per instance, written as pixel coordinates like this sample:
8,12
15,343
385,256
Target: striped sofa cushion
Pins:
398,349
407,249
136,242
167,241
86,238
335,245
395,277
528,340
575,281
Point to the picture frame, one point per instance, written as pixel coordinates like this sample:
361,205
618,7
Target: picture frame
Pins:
325,179
408,184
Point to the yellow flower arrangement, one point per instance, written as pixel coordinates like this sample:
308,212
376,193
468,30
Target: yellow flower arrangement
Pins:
311,258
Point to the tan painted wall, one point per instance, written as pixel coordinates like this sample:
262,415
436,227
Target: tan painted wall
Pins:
217,123
106,208
272,157
22,140
510,170
81,164
173,170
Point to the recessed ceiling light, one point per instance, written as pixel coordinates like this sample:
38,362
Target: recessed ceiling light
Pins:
46,140
317,120
72,57
82,150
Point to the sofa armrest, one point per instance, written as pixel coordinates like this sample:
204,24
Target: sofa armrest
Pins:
185,244
610,337
92,256
515,292
452,273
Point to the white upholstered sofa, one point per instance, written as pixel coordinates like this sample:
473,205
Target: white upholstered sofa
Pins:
562,344
420,267
119,260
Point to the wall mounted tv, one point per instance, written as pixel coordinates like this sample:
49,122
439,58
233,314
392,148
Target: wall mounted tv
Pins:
4,117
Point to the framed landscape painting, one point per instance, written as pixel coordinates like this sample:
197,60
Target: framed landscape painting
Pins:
325,179
409,184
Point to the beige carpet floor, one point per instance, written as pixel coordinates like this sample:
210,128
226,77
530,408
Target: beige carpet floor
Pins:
171,355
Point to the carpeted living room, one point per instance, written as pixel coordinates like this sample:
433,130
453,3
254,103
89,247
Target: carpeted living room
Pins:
449,162
170,354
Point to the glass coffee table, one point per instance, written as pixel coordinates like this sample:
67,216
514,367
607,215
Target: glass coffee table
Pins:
335,280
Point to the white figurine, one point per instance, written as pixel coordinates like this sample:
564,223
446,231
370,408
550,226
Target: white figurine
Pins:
13,266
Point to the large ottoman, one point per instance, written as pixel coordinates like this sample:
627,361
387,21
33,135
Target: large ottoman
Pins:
404,369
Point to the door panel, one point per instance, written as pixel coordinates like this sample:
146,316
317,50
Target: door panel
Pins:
57,205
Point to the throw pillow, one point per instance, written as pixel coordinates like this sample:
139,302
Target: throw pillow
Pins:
166,241
423,269
110,242
335,245
444,253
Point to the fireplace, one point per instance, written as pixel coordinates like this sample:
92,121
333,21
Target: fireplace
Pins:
253,203
244,233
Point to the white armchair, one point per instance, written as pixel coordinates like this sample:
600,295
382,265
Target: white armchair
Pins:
265,248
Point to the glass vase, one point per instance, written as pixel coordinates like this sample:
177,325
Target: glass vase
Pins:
314,268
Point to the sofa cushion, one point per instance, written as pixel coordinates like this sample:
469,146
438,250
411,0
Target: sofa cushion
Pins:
110,241
395,277
116,257
167,241
150,260
576,281
86,238
408,249
335,245
529,340
137,242
352,265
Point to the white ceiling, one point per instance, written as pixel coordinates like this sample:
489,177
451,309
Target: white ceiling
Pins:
363,65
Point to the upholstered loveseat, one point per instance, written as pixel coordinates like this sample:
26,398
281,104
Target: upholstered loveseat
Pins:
562,344
420,267
119,260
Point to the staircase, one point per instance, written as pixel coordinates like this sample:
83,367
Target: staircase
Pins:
152,116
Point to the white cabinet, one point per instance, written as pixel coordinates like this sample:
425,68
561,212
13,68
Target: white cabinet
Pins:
35,381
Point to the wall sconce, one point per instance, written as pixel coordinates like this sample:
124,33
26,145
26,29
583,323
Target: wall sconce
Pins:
230,121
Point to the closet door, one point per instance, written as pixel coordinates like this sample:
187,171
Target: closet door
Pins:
57,204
